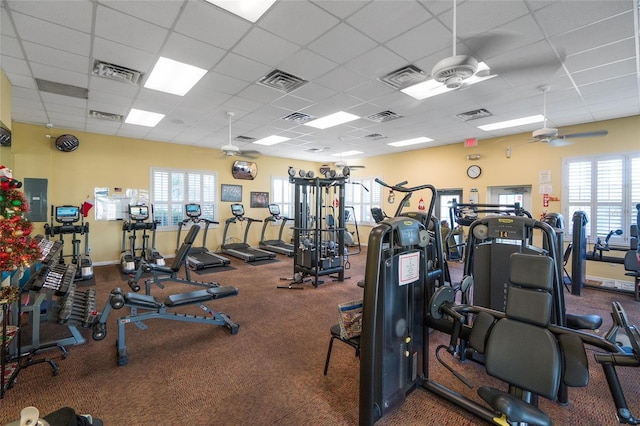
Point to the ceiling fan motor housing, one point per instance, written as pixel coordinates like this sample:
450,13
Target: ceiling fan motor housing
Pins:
545,133
453,70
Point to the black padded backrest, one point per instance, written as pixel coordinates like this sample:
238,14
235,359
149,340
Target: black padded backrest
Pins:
183,251
520,349
529,298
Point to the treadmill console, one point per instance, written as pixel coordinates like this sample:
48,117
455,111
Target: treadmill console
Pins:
67,214
237,210
274,210
139,213
193,210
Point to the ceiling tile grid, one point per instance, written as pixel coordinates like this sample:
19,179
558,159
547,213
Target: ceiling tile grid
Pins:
585,50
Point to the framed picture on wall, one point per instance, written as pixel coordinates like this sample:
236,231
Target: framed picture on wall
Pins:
232,193
259,199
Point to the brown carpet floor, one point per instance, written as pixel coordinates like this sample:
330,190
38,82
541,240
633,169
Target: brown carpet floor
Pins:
270,373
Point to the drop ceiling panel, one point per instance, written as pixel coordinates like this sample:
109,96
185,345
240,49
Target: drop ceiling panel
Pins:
74,14
341,47
306,64
310,21
161,13
52,35
242,68
265,47
193,52
56,58
383,20
210,24
125,29
123,55
333,46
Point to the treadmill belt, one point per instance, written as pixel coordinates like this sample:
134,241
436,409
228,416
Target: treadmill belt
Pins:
262,262
207,271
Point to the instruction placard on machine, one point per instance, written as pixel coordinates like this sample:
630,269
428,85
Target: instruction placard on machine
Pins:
408,268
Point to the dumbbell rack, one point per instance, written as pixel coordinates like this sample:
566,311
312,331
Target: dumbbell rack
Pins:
72,308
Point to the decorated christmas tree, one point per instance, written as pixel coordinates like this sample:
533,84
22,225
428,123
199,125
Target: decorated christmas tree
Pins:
17,249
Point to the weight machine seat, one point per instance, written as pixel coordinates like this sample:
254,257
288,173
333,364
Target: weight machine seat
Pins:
180,299
523,352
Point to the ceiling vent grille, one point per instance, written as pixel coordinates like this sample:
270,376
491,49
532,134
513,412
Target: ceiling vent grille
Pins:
62,89
375,137
474,115
316,150
282,81
116,72
108,116
244,138
404,77
383,116
298,117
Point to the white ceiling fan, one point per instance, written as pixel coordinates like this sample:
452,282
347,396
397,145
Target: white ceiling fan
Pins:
230,150
458,72
553,136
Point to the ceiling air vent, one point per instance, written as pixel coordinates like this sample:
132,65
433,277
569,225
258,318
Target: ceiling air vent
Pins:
244,138
404,77
375,137
298,117
116,72
383,116
62,89
281,80
108,116
316,150
474,115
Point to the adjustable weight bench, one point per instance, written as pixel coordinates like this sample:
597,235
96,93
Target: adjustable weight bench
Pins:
144,307
169,273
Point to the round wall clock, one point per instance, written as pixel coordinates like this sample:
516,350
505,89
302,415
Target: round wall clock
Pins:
474,171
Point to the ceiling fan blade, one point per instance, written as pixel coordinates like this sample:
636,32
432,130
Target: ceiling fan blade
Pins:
491,43
559,141
357,167
528,63
586,134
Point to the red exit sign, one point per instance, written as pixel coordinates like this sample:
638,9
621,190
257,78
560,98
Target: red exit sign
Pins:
468,143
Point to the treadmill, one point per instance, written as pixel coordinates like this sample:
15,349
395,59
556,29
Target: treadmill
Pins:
200,257
243,250
279,245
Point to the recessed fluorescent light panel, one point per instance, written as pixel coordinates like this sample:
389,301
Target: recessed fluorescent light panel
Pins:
173,77
271,140
347,153
413,141
251,10
331,120
143,118
430,88
512,123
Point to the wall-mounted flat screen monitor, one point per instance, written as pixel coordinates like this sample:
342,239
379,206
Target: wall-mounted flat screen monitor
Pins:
67,214
274,209
139,213
193,210
237,210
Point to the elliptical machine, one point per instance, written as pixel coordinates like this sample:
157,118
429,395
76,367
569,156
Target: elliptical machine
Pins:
68,216
130,259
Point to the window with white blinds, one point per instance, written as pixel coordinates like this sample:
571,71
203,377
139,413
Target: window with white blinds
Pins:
362,194
171,189
606,189
282,194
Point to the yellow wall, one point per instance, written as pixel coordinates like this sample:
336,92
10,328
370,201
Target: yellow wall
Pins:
108,161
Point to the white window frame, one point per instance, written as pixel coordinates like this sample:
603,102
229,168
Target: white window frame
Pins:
600,192
282,194
361,199
182,187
